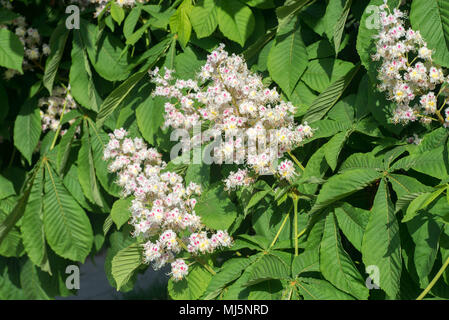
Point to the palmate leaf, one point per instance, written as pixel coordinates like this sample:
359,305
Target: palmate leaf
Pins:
235,20
230,271
321,73
425,232
11,50
32,226
333,147
9,289
342,185
308,261
105,52
150,117
432,163
99,140
180,22
86,168
6,188
80,75
336,265
131,21
111,103
316,289
118,240
381,245
27,129
352,221
67,227
125,262
120,213
340,27
18,208
31,283
431,18
288,58
192,286
268,267
216,210
58,40
327,99
204,18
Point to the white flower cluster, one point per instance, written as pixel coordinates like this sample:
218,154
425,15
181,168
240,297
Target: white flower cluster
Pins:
235,103
407,74
53,106
100,5
31,40
415,139
162,208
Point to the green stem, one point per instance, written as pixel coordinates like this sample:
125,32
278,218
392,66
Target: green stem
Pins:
434,280
280,229
295,205
296,160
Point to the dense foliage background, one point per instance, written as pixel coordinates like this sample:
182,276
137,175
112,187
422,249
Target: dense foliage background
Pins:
367,196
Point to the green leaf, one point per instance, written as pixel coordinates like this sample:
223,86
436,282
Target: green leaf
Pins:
11,50
86,168
352,221
125,263
114,99
204,18
289,10
288,58
425,232
230,271
58,40
321,73
381,244
150,117
430,162
192,286
117,12
362,160
336,264
305,262
6,188
32,226
315,289
11,245
67,227
80,76
268,267
421,202
118,240
31,284
235,20
344,184
329,97
333,148
340,27
431,18
99,140
131,21
105,52
215,208
120,213
27,129
180,22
